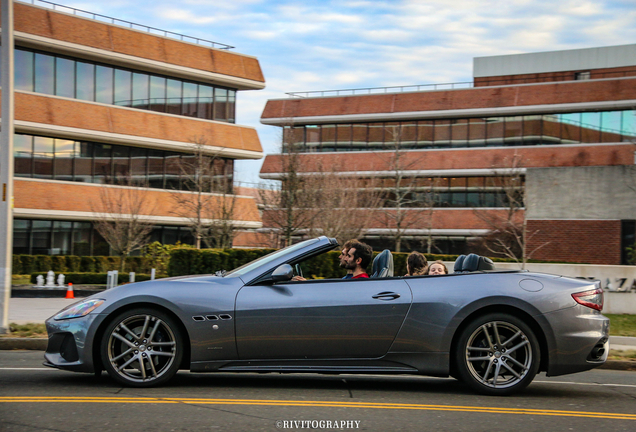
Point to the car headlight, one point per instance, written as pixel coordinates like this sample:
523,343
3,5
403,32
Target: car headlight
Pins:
79,309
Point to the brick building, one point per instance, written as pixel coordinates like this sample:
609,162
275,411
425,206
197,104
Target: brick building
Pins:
562,123
99,101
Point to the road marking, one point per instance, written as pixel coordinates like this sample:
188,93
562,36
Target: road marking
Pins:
315,404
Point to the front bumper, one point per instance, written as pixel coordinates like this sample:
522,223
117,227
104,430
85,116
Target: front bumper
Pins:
70,344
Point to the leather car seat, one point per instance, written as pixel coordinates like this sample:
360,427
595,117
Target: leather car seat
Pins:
383,265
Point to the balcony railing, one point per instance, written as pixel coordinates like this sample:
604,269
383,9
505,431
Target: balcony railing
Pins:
382,90
123,23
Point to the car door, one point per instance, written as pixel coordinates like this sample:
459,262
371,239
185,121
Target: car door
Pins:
320,319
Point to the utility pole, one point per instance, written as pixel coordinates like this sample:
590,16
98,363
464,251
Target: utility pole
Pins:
6,164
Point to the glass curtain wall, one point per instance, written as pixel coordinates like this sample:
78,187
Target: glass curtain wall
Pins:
548,129
91,162
42,237
79,79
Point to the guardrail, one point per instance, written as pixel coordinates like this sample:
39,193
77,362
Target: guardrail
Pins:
382,90
124,23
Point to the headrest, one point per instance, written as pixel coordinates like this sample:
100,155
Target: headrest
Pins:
474,262
383,265
458,264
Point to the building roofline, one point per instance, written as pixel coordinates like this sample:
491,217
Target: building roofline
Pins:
29,40
452,113
555,61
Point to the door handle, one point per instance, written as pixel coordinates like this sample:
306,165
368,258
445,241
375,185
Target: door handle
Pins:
386,295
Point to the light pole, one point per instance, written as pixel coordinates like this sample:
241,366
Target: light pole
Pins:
6,164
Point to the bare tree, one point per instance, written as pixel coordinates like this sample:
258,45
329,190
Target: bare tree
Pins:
121,217
344,205
508,235
400,191
290,206
206,199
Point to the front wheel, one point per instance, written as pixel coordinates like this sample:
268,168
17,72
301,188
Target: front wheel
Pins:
497,354
142,348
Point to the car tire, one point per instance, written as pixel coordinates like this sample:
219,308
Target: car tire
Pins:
142,348
497,354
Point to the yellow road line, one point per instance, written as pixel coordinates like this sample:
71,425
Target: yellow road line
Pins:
315,404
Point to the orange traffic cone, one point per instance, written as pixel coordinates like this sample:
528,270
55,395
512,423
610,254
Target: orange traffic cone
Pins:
69,291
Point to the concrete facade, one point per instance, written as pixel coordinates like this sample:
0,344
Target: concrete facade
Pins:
555,61
582,192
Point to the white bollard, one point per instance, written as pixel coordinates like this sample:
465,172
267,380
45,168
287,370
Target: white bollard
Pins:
152,274
131,277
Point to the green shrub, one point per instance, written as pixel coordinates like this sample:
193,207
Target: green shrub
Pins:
73,263
87,264
16,265
58,264
184,261
28,263
189,261
43,263
101,264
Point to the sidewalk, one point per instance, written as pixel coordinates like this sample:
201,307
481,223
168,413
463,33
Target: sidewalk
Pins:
36,310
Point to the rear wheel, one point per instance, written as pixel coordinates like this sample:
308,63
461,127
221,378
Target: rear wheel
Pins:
142,348
498,354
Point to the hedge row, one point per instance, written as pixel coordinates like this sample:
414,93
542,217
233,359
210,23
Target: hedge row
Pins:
91,278
188,261
27,264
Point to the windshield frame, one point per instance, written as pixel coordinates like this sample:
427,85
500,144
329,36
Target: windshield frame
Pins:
266,259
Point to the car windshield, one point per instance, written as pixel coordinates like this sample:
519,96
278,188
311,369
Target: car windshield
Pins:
264,260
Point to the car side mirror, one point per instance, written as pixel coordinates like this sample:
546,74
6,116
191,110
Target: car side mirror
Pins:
283,273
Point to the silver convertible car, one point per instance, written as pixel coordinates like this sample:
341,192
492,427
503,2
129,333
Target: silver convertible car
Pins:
493,330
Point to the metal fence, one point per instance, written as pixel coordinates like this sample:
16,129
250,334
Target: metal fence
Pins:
382,90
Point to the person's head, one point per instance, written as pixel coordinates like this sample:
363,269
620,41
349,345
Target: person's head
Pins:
437,268
416,264
343,253
358,255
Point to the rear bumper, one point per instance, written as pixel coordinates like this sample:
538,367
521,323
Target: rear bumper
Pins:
582,342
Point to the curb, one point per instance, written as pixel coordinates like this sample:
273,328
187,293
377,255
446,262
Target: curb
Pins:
623,365
8,343
39,344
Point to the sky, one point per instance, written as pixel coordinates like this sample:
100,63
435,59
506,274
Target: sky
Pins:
344,44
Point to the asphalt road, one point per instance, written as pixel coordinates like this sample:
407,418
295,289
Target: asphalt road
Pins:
35,398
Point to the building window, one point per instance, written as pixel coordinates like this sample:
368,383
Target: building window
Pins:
90,162
578,76
80,79
45,237
511,131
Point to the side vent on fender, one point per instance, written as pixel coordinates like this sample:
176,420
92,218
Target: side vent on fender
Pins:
198,318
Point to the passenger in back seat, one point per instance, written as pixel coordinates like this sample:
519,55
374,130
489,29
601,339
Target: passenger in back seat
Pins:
416,264
437,268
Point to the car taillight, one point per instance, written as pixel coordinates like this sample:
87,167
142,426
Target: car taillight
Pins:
592,299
